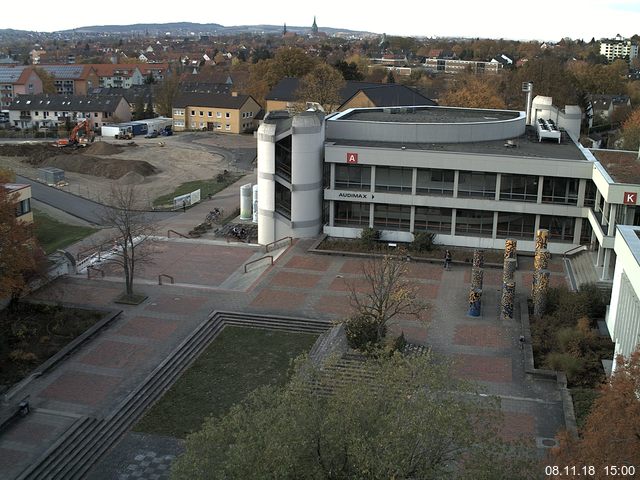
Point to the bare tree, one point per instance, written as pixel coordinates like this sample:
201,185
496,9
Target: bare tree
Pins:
133,229
387,293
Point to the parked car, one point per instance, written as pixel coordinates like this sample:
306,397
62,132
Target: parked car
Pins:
153,134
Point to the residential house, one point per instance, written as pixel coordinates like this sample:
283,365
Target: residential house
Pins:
132,95
284,96
158,71
444,65
36,111
215,112
118,75
603,107
21,195
618,47
72,79
19,80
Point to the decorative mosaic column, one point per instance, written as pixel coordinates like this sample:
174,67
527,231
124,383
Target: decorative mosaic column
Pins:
509,270
542,239
510,246
478,258
477,275
541,259
506,304
475,299
541,293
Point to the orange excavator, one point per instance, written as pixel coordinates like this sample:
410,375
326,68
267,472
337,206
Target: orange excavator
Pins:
75,139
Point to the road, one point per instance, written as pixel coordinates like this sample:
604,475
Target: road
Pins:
82,208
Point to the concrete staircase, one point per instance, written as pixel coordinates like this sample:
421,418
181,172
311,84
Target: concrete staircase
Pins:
582,271
89,438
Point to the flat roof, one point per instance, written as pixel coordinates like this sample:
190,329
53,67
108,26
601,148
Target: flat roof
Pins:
425,114
622,166
526,145
14,187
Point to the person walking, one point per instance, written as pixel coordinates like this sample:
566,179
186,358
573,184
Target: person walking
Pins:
447,260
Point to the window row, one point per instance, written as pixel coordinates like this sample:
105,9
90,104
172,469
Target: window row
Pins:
475,223
522,188
210,114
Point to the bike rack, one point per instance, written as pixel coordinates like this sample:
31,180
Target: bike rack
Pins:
270,257
266,247
177,233
89,268
165,275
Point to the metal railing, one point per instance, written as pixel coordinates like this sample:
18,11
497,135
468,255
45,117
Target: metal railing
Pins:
165,275
571,251
177,233
272,244
270,257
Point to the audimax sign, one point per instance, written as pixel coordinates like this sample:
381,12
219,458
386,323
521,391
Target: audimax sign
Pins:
363,196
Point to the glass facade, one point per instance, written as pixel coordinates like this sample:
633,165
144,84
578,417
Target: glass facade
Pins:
392,217
351,214
352,177
394,179
522,188
435,182
516,225
283,158
283,200
477,184
590,194
476,223
560,228
560,190
433,219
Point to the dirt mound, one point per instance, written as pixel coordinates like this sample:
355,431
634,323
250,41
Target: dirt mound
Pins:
37,152
131,178
100,167
103,148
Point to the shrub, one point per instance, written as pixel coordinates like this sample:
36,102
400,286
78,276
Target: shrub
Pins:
394,344
22,356
422,242
369,236
569,364
362,333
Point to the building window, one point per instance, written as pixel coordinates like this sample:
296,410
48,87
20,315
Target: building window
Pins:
193,113
201,113
477,184
283,158
23,207
522,188
516,225
435,182
351,214
218,115
392,217
476,223
283,201
590,194
227,115
560,190
227,127
433,219
394,179
560,228
209,114
178,123
353,177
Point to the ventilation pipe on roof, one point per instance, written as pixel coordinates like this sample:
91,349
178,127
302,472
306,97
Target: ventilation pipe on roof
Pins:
528,88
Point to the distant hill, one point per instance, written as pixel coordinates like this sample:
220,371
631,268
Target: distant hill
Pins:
186,28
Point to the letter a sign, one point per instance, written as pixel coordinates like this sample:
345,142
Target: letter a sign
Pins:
630,198
352,158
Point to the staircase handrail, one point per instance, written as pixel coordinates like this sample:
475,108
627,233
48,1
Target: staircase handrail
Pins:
571,251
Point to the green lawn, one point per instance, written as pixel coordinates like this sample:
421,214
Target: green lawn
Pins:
237,362
207,187
53,235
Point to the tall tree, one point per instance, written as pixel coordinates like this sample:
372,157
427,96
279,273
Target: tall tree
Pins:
166,94
473,91
386,294
322,85
349,70
611,435
48,80
19,253
133,231
398,417
631,131
138,112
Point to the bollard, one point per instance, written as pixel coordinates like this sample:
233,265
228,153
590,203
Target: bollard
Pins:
475,299
478,258
477,275
542,293
509,270
542,238
510,247
508,296
541,259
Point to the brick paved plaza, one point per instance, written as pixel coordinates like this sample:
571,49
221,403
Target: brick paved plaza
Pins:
301,284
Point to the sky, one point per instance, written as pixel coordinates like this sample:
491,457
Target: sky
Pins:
515,19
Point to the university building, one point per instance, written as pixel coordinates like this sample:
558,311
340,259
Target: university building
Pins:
473,177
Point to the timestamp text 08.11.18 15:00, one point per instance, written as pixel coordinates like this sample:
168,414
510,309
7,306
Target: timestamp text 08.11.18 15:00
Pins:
620,471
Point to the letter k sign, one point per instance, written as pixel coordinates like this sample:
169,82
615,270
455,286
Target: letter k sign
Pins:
630,198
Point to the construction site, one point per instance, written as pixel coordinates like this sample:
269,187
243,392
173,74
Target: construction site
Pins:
156,166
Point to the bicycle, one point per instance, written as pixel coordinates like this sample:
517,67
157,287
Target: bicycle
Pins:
214,215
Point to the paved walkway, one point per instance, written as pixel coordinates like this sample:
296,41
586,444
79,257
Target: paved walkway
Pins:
98,376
